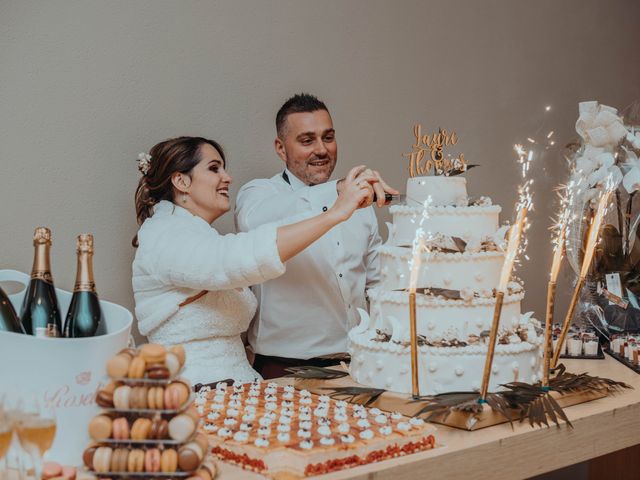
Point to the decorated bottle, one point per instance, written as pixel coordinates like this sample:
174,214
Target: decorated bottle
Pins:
40,314
84,318
9,321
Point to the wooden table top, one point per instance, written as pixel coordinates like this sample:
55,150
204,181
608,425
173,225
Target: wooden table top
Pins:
500,452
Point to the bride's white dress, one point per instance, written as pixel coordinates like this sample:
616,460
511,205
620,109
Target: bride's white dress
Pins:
179,255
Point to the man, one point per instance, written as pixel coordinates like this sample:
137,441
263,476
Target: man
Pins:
303,316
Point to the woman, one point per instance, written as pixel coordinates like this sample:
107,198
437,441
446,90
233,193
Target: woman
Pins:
189,282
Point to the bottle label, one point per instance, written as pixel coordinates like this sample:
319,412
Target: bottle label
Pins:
50,331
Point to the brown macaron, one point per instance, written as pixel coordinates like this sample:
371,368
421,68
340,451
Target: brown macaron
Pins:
104,399
119,460
87,456
189,458
100,427
153,353
157,371
138,399
159,429
137,368
140,429
155,398
118,366
169,461
178,351
135,463
208,466
130,352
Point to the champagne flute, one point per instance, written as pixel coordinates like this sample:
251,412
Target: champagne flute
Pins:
36,431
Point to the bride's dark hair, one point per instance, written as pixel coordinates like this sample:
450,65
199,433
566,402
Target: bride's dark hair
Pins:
176,155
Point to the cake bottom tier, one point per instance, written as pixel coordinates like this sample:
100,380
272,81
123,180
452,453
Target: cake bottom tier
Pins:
387,365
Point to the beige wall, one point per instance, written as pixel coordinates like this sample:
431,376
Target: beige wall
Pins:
86,85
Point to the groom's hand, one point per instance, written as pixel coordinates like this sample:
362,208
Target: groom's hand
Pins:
373,177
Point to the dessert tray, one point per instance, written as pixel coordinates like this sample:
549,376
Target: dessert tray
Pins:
282,432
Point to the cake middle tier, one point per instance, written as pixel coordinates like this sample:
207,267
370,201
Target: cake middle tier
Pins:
438,318
477,271
463,222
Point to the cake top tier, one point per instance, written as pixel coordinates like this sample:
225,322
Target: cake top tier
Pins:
440,189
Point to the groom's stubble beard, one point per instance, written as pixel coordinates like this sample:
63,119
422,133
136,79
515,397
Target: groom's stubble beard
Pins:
309,174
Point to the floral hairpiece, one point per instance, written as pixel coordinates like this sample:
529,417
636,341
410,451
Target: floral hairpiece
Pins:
144,162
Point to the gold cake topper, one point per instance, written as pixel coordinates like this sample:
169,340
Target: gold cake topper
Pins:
427,156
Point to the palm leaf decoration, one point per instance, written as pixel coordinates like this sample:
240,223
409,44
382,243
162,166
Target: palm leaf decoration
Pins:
439,407
309,372
362,395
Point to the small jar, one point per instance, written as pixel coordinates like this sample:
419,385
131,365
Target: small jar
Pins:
590,344
574,345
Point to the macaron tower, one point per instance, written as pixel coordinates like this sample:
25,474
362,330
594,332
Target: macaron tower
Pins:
148,426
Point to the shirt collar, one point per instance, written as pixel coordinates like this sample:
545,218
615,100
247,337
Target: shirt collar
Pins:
294,181
165,207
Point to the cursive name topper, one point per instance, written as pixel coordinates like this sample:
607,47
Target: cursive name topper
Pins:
427,157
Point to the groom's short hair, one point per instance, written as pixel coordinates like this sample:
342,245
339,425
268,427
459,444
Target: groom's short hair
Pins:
300,102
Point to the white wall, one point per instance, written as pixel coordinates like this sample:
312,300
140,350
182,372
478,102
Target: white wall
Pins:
86,85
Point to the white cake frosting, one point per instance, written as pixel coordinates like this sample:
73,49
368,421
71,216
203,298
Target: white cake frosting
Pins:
455,299
437,190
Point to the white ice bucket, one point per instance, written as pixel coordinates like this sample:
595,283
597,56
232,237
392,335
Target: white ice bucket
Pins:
65,373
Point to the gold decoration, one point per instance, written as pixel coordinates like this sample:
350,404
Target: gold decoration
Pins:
427,155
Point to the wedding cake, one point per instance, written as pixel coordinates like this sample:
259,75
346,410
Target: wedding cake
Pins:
459,269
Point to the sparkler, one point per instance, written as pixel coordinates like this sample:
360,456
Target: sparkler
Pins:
515,246
560,230
592,240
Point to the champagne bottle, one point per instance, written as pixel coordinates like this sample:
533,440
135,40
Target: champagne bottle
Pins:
84,318
9,321
40,312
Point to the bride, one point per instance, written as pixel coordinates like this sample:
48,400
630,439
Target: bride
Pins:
190,282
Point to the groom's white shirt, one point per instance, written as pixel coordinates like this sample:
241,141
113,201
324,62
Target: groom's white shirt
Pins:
308,311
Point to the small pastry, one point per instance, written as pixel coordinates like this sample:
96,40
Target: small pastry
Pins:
189,458
120,427
208,467
128,351
157,371
118,366
193,413
153,353
178,351
155,398
181,427
119,460
159,429
152,460
169,461
51,470
137,368
175,395
104,399
121,397
87,456
138,399
102,459
140,429
172,362
135,463
100,427
201,439
68,472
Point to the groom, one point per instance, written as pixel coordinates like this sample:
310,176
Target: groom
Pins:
303,316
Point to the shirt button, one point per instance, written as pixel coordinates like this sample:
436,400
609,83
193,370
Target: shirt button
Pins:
324,209
340,275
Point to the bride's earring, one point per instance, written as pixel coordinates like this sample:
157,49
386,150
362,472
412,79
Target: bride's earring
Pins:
184,198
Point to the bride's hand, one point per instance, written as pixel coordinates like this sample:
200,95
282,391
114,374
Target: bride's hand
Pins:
353,193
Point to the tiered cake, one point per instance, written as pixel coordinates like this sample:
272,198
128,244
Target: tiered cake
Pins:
459,271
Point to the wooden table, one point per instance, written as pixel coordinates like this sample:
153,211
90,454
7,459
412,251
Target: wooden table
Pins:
500,452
